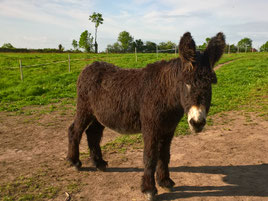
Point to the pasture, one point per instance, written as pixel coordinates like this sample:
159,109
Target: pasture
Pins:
226,162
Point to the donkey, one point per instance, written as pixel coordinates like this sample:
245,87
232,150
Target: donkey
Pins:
151,100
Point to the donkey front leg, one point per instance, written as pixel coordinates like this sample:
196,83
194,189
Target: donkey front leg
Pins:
74,135
150,155
162,172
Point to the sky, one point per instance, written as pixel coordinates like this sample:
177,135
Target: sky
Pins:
48,23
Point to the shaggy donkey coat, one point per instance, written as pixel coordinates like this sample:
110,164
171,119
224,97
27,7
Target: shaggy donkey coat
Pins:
151,100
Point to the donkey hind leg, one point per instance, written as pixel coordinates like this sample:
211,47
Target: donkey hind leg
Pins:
150,156
94,135
162,171
75,133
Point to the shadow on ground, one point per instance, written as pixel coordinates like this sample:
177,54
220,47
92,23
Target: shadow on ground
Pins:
243,180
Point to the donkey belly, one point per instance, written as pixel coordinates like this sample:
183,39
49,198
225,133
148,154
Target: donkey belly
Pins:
121,116
120,122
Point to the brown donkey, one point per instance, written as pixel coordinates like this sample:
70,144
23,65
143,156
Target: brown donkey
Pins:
151,100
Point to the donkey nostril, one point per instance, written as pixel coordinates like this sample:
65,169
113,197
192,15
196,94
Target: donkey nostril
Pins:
192,122
198,124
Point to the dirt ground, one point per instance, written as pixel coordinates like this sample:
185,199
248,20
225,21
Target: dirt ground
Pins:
228,161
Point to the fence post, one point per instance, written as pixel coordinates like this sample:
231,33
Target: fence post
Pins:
69,61
21,72
136,54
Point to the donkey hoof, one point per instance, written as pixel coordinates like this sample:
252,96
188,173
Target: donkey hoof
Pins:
102,165
166,184
77,164
149,196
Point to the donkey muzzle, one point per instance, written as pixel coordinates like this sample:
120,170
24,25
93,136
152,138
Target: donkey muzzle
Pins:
197,118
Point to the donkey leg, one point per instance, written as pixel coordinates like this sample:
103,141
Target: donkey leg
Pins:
162,171
75,133
150,161
94,134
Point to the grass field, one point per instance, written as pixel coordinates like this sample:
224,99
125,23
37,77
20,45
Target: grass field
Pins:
244,81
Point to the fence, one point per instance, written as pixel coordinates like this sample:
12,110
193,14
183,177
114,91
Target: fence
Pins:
69,60
49,63
229,49
175,50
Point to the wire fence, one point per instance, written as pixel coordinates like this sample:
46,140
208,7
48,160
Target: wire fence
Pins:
68,61
229,49
45,64
21,66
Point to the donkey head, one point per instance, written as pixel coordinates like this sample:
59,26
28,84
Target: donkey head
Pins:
198,76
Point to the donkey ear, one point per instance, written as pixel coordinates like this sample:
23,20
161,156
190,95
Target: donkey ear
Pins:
215,48
187,49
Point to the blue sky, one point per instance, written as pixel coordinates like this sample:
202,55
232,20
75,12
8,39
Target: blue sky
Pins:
48,23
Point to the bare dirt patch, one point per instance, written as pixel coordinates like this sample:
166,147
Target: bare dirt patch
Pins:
228,161
220,65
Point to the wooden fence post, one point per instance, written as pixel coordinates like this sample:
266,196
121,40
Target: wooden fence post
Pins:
69,63
21,72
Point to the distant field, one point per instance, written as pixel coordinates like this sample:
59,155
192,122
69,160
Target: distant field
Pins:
243,81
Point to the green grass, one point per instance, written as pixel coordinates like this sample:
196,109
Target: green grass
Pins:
230,57
43,85
241,83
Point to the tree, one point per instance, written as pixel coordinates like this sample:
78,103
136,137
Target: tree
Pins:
207,41
61,48
115,48
75,44
150,46
264,47
139,45
245,44
125,40
7,45
86,41
204,46
166,45
97,19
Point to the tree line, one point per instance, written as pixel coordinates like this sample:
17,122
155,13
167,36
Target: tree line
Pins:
126,43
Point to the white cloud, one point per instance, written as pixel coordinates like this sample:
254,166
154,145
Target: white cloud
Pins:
47,12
